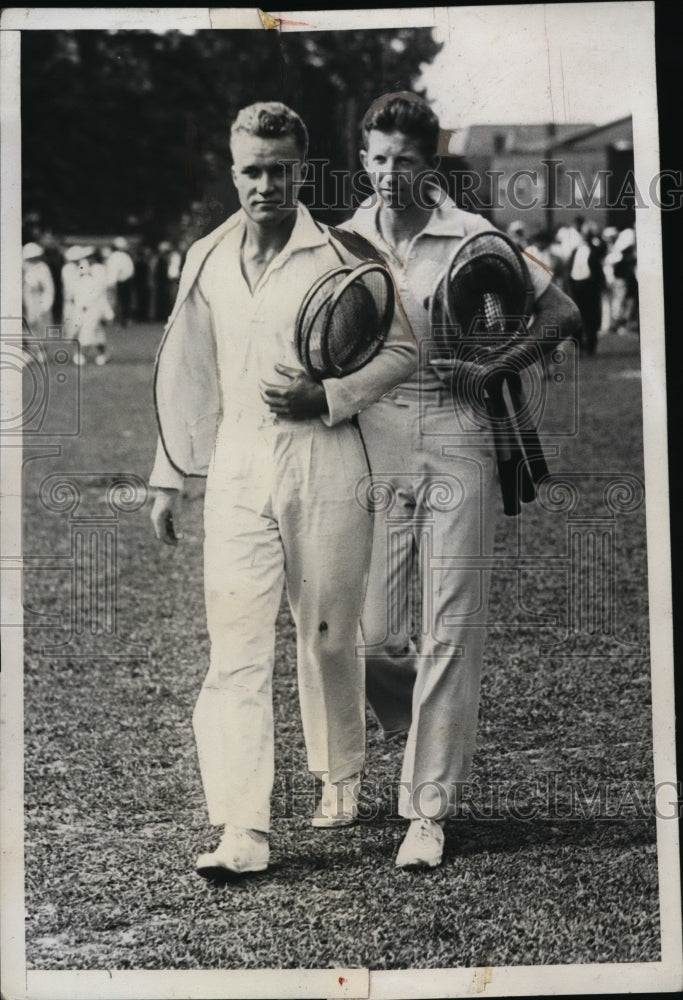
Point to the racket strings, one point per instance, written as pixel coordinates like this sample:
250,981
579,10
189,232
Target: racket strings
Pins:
358,320
344,319
355,311
495,320
313,318
483,296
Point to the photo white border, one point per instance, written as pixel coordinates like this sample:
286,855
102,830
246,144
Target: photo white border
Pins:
666,975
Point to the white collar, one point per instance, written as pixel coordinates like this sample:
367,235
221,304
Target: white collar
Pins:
445,219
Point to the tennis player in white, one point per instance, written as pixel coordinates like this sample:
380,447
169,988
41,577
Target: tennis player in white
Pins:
283,458
435,459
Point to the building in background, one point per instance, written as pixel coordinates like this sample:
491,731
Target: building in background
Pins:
602,157
545,175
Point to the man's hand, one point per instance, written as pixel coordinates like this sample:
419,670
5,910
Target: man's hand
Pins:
298,399
164,515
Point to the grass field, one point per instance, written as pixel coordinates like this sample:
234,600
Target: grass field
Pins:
553,862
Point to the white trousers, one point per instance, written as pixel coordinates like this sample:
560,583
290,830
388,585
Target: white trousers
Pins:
435,499
281,505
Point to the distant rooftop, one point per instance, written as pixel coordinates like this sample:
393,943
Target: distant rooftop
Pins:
483,140
488,140
618,134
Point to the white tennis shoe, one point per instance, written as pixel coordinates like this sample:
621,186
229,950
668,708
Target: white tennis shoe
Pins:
422,845
239,852
339,803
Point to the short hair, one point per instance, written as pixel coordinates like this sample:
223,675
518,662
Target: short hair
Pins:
404,112
271,120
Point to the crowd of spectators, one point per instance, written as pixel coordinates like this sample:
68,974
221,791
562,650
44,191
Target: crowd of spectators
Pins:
86,287
598,269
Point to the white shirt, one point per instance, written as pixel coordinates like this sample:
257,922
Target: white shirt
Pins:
580,270
250,330
120,267
38,289
254,329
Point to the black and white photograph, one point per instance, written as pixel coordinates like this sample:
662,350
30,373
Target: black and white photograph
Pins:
336,580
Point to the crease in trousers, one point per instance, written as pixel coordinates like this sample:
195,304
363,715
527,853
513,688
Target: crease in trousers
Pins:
281,507
434,473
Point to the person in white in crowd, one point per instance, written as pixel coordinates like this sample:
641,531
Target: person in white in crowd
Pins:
120,271
89,307
69,275
38,289
623,261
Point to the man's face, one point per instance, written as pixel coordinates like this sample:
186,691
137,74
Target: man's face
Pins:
266,173
394,160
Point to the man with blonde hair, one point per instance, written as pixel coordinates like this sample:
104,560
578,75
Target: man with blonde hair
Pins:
283,456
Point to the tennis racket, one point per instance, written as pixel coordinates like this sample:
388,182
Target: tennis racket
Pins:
482,304
311,319
344,319
480,313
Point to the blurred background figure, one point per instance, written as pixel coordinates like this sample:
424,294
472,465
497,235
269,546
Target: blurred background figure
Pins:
567,239
69,275
623,261
167,270
572,234
609,235
586,283
517,232
90,308
152,261
38,289
54,259
31,228
103,253
174,267
162,292
120,274
141,280
542,249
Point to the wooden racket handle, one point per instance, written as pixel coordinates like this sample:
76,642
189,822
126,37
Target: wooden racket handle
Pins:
528,434
516,484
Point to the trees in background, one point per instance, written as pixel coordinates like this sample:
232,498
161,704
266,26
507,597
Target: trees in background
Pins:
128,130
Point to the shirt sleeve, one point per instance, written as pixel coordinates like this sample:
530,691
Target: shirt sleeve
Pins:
163,474
395,362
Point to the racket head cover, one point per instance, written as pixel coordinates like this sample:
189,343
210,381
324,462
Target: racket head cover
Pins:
484,298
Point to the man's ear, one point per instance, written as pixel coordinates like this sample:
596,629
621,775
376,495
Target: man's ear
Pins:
233,174
363,154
